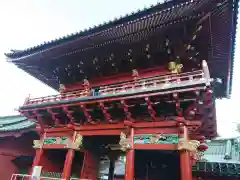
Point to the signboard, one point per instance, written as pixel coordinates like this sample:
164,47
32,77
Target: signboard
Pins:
36,173
55,140
156,139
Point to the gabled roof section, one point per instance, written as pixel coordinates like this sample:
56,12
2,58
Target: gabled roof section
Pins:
15,123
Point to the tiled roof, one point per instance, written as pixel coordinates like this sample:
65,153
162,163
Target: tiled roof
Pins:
15,123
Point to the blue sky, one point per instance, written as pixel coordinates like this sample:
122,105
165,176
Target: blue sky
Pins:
26,23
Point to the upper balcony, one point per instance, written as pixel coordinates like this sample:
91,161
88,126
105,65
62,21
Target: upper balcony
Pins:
148,98
163,84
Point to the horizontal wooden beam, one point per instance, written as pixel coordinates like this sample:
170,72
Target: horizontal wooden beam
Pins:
155,147
121,126
112,132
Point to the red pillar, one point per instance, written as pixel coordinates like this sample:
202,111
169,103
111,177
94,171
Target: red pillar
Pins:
37,159
185,158
129,169
68,164
186,166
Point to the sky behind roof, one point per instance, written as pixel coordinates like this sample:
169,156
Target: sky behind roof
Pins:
28,23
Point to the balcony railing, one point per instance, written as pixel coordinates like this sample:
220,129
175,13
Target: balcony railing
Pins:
161,82
30,177
156,81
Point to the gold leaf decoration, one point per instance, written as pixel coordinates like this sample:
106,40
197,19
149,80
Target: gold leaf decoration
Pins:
189,145
78,142
125,143
37,144
174,67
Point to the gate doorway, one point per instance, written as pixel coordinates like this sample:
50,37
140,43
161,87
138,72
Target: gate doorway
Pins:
155,165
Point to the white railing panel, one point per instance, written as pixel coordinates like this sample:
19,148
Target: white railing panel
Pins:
30,177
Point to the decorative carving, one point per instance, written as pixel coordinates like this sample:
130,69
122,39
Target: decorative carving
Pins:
189,145
125,143
199,156
56,140
174,67
37,144
78,142
156,139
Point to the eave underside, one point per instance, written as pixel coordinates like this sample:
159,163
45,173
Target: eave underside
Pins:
71,59
150,107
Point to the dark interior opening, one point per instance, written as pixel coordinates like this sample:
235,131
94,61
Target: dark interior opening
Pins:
52,162
77,164
99,144
155,164
149,165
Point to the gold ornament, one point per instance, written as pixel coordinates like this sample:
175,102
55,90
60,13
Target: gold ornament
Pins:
174,67
199,156
78,142
37,144
189,145
125,143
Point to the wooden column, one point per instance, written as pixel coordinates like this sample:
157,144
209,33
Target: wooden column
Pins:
39,153
37,159
186,166
68,164
185,158
129,168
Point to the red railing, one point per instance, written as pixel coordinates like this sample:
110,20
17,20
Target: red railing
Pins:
143,84
151,82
